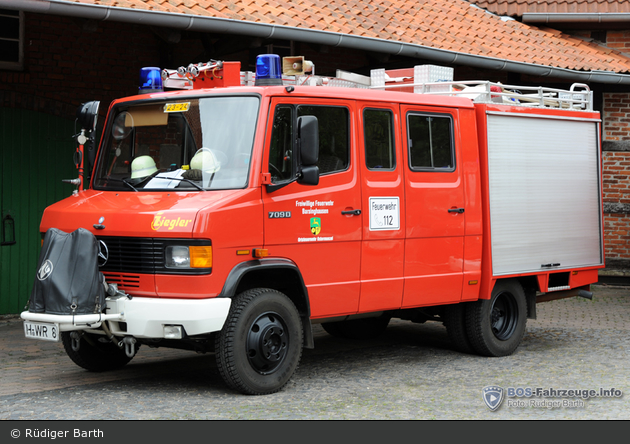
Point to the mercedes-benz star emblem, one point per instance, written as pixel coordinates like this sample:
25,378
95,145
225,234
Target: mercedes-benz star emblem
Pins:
103,253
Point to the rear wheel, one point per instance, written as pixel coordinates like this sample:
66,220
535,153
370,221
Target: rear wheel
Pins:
365,328
260,345
496,326
96,353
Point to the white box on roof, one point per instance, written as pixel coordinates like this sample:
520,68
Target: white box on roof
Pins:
433,74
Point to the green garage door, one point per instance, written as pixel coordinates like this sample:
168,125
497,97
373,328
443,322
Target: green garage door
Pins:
36,152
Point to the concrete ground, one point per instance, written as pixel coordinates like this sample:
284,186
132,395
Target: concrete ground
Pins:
411,372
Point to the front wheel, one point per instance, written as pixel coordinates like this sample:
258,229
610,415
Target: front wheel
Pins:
260,345
496,326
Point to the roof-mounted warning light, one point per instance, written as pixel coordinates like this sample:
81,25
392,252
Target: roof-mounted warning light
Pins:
268,71
150,80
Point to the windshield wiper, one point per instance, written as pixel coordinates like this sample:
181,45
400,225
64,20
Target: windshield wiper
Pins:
126,182
182,179
123,181
129,185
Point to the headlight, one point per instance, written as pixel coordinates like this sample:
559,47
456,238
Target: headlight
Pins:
187,257
177,256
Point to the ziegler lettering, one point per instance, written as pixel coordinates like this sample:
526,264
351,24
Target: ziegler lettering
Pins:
161,222
279,215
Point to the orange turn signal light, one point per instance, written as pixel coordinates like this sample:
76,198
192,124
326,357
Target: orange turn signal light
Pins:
200,256
261,252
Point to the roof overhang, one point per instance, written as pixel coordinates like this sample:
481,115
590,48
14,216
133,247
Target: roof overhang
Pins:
264,30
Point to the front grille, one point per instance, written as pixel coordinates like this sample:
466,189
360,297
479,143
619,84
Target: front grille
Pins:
124,281
132,255
142,255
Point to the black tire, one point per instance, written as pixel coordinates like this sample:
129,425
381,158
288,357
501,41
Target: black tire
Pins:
96,353
455,323
496,326
260,346
365,328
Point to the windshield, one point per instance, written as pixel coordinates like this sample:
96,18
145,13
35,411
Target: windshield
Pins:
191,144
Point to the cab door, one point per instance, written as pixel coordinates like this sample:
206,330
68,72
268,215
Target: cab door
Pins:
382,195
436,210
317,227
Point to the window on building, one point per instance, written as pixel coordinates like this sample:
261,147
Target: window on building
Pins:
430,142
11,39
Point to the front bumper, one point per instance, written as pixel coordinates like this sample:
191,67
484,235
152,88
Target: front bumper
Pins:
146,317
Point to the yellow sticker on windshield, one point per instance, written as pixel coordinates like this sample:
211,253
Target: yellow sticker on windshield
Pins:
176,107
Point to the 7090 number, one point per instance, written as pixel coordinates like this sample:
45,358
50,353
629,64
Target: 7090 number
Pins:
279,214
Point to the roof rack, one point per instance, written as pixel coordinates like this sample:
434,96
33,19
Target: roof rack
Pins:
578,97
421,79
432,79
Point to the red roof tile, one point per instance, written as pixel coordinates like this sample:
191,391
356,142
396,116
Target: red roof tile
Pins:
453,25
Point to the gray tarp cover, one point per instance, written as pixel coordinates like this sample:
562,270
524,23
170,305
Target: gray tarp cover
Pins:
68,281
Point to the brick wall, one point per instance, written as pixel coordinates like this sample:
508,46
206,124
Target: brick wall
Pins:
619,40
616,117
71,61
616,176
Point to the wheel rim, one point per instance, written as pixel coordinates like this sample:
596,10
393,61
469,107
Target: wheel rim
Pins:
267,343
504,316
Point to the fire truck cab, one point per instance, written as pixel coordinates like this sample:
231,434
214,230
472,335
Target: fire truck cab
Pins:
234,214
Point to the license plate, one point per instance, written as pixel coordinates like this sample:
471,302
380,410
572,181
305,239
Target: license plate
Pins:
41,330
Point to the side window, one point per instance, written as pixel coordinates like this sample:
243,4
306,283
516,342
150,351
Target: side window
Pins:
378,127
334,136
281,164
430,142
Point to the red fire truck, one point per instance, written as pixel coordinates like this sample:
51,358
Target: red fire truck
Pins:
234,213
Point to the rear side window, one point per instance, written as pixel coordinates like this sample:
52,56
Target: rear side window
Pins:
430,142
379,139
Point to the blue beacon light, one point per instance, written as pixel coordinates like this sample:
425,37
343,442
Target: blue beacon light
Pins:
150,80
268,71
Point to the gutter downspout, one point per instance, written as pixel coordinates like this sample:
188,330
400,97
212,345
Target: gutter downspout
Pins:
229,26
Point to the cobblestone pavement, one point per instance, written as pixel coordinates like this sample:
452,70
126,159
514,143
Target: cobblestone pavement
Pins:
411,372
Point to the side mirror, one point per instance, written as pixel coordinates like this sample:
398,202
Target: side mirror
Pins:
308,137
309,175
87,115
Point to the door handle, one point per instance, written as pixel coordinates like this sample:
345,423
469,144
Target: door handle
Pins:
456,210
351,212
